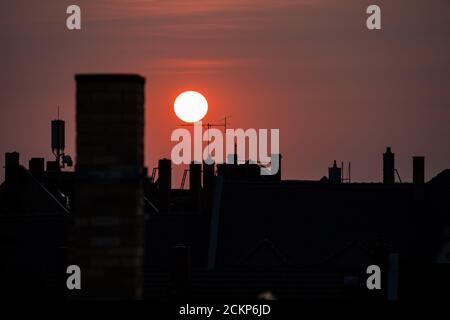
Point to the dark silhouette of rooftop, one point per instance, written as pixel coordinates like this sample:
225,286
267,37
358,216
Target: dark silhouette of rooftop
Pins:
233,234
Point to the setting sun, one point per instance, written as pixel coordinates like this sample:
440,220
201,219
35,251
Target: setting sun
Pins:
191,106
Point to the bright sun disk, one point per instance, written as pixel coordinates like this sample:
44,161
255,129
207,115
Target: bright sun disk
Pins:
190,106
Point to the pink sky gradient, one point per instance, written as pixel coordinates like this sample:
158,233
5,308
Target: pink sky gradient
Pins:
310,68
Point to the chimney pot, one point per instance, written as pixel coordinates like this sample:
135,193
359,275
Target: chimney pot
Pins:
418,170
164,183
11,164
36,167
388,166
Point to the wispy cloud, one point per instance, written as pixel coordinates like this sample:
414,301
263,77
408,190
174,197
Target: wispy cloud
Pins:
136,8
193,65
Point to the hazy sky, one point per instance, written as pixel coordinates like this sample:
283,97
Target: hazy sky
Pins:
310,68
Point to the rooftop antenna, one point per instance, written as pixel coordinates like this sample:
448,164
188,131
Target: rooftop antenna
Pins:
58,142
349,172
346,178
208,126
398,176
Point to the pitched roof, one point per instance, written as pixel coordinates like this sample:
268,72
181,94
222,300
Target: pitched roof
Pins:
442,178
26,196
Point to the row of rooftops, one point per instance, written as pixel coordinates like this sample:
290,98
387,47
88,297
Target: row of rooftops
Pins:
58,184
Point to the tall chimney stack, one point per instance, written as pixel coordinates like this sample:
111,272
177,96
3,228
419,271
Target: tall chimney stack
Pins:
107,239
388,166
418,170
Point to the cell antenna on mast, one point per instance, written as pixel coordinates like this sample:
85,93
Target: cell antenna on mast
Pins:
58,142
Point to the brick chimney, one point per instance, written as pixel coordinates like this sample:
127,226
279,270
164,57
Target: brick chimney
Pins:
108,209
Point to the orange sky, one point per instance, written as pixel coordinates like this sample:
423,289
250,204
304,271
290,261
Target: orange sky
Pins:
310,68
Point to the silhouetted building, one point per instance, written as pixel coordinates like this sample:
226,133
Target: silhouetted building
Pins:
34,218
109,222
340,229
242,235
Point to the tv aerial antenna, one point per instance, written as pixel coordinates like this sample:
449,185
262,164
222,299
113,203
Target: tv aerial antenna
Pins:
208,126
